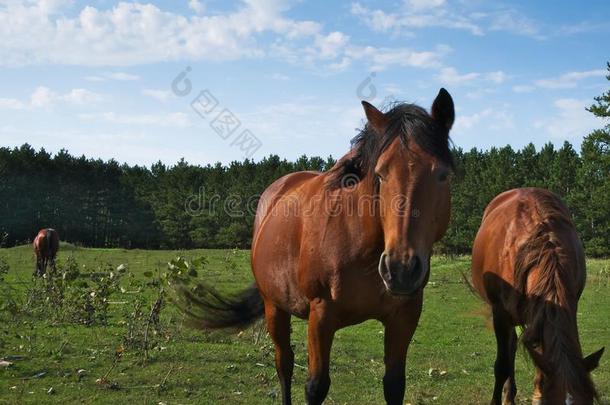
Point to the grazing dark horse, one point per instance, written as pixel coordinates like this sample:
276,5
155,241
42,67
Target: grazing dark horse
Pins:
528,264
46,245
351,244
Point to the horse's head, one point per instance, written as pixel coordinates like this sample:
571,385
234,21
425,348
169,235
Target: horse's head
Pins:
411,170
553,386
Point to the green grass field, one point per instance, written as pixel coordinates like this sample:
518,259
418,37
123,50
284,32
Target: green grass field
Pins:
189,366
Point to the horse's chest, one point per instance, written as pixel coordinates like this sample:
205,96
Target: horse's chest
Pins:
356,287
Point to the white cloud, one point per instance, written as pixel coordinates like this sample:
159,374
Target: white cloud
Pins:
331,45
497,77
514,23
280,77
568,80
157,94
43,97
133,33
11,104
120,76
415,16
466,122
136,33
339,53
451,77
419,14
523,88
438,17
424,4
583,27
383,58
177,119
489,118
571,121
196,6
378,20
95,78
81,97
340,65
392,89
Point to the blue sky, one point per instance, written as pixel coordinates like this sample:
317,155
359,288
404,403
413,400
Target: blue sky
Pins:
95,77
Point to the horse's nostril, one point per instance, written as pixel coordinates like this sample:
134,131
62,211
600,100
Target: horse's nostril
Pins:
414,264
400,275
384,267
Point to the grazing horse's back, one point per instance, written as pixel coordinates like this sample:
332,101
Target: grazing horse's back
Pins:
46,245
528,263
510,224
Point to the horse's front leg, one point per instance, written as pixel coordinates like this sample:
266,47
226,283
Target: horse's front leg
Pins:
505,388
39,267
399,330
320,332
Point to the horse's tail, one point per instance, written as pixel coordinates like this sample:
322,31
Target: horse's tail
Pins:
550,311
49,237
469,285
208,309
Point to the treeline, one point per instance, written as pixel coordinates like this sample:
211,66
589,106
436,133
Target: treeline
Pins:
106,204
582,180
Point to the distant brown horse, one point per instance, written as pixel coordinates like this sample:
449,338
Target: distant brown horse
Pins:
528,264
46,245
351,244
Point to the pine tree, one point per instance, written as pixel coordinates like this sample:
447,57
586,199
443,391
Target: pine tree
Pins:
601,108
594,182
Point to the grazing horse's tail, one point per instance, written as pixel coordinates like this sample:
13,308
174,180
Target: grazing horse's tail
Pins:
49,237
208,309
550,310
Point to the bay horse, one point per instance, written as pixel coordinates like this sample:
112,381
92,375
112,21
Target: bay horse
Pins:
528,263
347,245
46,245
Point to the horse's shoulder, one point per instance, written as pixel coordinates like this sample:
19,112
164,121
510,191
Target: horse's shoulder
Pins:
279,188
287,183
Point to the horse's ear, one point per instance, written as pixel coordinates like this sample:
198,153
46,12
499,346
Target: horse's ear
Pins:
376,118
592,361
443,110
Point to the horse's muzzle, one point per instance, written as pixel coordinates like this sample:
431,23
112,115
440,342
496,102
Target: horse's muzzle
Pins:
402,278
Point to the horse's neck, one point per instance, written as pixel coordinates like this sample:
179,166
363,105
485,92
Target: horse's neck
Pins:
360,211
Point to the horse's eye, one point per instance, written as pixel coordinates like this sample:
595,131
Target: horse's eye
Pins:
378,178
442,177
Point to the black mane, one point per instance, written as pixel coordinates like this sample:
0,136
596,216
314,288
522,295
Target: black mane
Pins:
407,121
